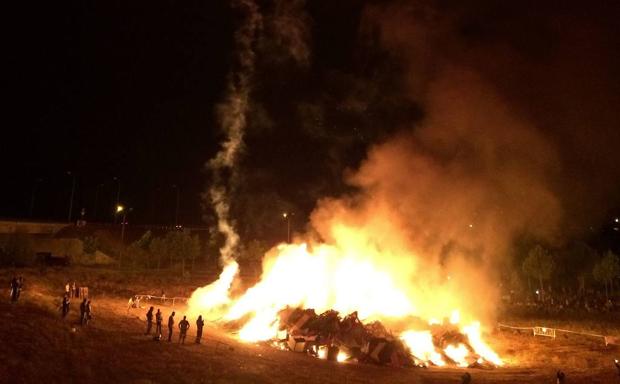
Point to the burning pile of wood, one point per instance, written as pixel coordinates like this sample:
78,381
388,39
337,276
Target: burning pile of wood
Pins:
331,337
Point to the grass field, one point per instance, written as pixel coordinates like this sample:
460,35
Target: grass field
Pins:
37,346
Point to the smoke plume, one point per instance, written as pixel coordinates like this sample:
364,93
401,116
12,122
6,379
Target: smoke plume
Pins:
232,115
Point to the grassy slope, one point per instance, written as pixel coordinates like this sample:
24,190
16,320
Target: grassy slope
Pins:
37,346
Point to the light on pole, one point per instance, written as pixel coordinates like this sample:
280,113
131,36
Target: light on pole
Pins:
118,194
287,217
121,210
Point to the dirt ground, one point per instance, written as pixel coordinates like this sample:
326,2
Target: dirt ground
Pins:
37,346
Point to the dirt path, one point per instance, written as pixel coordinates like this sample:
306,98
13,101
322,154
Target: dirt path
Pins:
37,346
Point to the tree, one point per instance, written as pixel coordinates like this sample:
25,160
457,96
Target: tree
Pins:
606,270
140,250
158,248
175,247
17,250
538,264
91,244
576,261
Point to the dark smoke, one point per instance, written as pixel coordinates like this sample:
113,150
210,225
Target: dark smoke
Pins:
552,69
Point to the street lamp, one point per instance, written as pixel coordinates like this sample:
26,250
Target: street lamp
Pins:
287,217
33,195
176,209
121,210
118,192
71,197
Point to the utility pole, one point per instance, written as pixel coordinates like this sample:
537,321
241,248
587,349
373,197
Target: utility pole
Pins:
71,198
287,217
176,209
32,197
123,210
96,201
118,194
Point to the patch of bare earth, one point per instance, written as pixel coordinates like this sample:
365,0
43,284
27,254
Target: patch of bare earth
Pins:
37,346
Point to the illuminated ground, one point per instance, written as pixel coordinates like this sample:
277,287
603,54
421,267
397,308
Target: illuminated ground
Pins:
37,346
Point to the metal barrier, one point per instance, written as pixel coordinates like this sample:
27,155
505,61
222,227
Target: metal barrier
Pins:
135,300
551,332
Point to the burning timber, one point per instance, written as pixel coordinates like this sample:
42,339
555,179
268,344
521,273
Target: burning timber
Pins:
347,339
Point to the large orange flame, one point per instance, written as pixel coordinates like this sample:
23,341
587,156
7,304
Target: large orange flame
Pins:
354,274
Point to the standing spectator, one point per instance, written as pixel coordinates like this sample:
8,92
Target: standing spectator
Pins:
183,326
149,321
14,289
65,305
87,313
199,324
158,320
73,290
20,286
68,289
83,312
170,326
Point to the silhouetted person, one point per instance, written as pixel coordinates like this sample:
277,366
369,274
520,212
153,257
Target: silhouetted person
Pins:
560,376
170,326
149,321
199,324
20,286
14,289
73,290
183,326
466,378
617,363
65,306
88,312
83,312
158,320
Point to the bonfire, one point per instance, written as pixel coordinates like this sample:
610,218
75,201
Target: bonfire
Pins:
345,303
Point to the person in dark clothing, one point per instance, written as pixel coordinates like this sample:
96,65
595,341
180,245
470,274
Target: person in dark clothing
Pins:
149,321
170,326
14,289
87,313
183,326
199,324
65,306
20,286
83,312
158,320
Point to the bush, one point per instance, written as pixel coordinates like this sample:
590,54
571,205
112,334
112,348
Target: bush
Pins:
91,244
17,251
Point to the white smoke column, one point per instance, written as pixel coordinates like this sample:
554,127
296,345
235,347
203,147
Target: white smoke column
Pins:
232,115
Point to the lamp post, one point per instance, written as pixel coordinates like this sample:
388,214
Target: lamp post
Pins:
121,209
71,197
33,196
176,209
118,194
287,217
96,201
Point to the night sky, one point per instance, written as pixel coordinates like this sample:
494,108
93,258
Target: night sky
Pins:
127,91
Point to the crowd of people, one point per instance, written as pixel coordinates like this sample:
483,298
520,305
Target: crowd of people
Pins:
183,326
554,303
